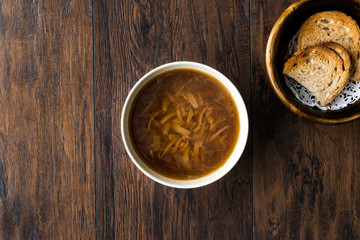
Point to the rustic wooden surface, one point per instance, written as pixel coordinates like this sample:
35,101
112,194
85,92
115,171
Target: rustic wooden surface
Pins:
306,176
47,120
66,68
132,37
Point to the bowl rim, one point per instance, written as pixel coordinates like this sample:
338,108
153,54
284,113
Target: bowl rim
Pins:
274,83
207,179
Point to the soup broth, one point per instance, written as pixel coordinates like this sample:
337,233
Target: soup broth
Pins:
184,124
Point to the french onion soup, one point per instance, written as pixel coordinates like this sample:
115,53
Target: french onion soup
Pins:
184,124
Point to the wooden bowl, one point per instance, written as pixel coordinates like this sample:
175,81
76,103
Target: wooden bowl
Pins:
283,31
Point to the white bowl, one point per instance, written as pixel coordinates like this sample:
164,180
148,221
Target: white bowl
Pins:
205,180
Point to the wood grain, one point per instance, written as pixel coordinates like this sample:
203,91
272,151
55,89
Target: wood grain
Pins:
65,176
306,175
132,37
47,120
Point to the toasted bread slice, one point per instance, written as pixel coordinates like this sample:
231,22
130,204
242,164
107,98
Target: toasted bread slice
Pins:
336,27
321,69
341,52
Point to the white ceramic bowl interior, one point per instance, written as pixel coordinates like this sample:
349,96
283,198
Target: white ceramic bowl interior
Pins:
212,177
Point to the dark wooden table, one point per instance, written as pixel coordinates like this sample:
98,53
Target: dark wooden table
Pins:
66,68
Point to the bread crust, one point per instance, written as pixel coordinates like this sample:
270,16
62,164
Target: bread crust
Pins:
333,26
341,52
323,69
